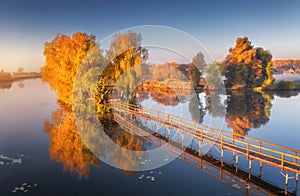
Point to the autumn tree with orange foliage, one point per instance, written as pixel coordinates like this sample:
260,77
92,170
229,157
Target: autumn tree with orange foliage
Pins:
248,67
64,56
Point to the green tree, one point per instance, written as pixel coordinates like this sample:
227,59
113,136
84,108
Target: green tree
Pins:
196,67
213,75
265,59
199,61
194,75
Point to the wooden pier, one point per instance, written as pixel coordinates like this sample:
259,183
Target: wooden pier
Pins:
284,158
243,181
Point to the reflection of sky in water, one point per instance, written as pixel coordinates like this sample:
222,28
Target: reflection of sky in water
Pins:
182,109
283,126
291,77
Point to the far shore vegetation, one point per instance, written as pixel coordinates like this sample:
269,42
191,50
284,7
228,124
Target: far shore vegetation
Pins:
20,74
245,68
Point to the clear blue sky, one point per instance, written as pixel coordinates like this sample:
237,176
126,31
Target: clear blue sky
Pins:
26,24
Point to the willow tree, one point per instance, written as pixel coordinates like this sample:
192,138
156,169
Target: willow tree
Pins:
124,69
214,74
64,56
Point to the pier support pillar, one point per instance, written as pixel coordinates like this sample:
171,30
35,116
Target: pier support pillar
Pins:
260,168
297,180
237,159
236,163
200,154
250,164
222,156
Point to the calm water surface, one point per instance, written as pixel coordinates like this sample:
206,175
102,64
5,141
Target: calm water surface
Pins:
44,161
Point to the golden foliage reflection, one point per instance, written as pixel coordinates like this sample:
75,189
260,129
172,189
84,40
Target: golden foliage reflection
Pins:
66,146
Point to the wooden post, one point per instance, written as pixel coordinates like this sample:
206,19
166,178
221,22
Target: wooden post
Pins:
199,148
232,139
250,164
236,163
248,150
260,145
297,180
201,161
260,168
222,141
282,161
182,141
295,154
222,155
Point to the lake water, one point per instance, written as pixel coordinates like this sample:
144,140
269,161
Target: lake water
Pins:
38,159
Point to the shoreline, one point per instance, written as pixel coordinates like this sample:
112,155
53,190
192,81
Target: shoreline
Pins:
17,78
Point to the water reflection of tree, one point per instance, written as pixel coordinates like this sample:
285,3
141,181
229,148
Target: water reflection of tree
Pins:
21,85
285,94
196,109
247,110
160,94
74,150
66,146
5,85
214,105
123,139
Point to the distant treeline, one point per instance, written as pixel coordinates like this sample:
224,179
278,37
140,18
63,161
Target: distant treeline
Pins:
285,66
10,77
